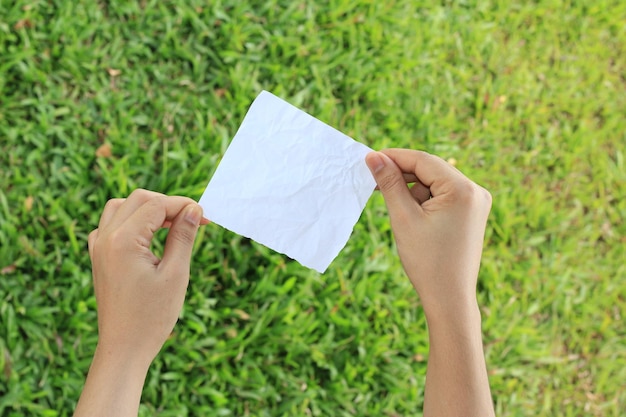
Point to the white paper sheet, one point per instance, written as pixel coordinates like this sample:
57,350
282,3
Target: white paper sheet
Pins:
291,183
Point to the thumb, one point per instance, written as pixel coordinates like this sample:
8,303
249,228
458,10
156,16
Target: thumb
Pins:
179,243
391,182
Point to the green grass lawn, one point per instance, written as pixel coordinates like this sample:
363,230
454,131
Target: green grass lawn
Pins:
529,98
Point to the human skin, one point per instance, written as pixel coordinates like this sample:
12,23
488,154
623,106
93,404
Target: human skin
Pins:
139,296
439,226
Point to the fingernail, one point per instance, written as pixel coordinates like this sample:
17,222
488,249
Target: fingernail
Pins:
375,162
193,214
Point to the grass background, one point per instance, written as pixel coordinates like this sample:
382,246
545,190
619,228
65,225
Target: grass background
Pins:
97,99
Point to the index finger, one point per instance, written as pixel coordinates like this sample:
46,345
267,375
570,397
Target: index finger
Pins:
429,169
134,202
152,215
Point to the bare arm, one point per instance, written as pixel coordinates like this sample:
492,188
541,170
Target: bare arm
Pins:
139,296
439,227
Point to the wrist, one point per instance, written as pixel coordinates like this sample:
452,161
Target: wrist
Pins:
114,383
460,315
122,357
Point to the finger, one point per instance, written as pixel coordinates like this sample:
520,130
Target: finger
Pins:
134,201
179,243
408,178
151,216
430,170
390,182
204,221
420,192
110,208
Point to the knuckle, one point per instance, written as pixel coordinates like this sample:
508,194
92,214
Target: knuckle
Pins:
467,192
112,205
150,207
486,196
142,196
155,201
138,193
91,240
470,194
421,156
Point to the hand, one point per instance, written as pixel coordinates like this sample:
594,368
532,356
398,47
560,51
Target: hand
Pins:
139,296
438,224
439,227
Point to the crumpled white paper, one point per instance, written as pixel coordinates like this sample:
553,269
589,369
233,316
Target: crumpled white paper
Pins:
291,183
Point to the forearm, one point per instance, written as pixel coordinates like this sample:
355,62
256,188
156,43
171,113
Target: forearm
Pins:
456,378
113,386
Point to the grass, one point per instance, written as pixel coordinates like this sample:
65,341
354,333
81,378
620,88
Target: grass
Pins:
527,97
